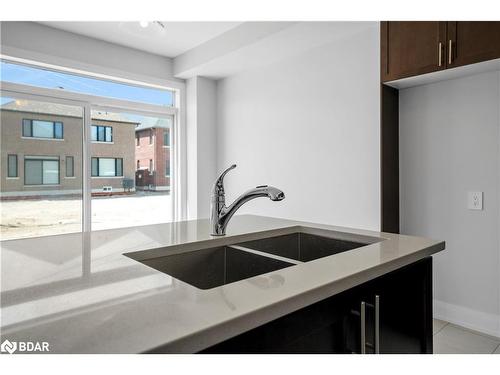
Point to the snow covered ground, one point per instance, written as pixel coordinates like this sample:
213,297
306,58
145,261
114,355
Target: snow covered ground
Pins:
33,218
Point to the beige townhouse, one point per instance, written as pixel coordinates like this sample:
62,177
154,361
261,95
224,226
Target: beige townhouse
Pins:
41,150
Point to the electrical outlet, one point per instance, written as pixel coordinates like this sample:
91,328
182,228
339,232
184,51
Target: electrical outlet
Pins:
475,200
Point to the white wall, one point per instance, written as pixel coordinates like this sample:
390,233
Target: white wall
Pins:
449,145
30,40
310,126
201,144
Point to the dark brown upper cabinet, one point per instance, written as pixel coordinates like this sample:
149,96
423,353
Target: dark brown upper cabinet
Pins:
472,42
411,48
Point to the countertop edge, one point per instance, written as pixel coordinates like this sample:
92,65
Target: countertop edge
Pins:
216,334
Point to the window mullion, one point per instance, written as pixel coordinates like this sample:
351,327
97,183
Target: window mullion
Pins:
86,189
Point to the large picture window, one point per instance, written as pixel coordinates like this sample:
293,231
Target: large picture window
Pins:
41,170
42,129
107,167
72,173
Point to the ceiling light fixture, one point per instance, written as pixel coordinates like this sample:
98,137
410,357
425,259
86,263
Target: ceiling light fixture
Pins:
144,24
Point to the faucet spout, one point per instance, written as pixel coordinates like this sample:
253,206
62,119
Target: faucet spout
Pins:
220,214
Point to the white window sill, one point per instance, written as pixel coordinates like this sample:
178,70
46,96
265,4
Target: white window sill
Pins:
69,178
12,178
166,146
104,143
44,139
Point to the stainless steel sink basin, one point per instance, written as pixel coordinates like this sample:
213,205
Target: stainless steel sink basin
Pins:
300,246
216,266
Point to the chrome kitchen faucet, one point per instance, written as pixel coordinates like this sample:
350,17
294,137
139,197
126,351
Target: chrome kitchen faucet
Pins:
220,214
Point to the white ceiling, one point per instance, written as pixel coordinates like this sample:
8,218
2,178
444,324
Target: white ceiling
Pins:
256,44
175,39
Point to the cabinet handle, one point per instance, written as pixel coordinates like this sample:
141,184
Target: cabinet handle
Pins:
363,327
450,49
440,53
377,324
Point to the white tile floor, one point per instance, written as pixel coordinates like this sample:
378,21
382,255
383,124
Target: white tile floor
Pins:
453,339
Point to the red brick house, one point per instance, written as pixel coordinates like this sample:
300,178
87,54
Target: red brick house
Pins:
152,155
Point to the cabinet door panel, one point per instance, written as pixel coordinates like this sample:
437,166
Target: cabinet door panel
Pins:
472,42
334,324
405,320
406,310
411,48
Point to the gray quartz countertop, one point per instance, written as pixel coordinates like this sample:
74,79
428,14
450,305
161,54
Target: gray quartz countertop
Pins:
100,301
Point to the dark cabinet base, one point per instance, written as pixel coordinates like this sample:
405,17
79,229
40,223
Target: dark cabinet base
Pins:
334,324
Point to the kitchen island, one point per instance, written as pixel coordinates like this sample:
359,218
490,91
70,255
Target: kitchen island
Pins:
118,298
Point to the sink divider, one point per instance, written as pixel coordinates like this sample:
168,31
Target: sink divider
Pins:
267,255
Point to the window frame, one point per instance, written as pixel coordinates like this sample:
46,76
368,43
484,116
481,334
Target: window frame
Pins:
167,168
96,72
31,136
90,102
106,127
166,133
16,165
92,175
42,158
72,166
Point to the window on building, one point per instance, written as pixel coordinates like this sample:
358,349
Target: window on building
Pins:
101,133
70,166
12,166
166,138
42,129
151,166
137,140
167,168
107,167
150,136
138,165
41,170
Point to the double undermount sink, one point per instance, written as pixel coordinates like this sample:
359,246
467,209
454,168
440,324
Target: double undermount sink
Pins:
215,266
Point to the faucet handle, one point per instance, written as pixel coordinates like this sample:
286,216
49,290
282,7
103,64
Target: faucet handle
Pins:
220,179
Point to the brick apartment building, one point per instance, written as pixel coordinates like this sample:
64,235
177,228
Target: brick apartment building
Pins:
41,149
152,153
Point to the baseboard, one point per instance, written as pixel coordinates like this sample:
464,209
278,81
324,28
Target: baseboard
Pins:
486,323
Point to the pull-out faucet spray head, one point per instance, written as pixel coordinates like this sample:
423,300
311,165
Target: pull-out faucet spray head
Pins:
220,214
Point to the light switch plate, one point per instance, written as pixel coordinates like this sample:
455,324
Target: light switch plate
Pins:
475,200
